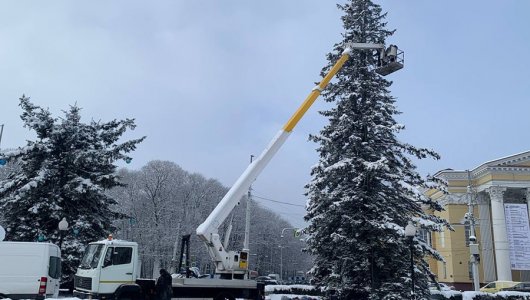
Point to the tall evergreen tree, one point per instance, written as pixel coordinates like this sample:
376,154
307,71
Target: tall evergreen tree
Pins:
64,173
365,188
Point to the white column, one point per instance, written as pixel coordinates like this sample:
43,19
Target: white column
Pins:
486,242
528,200
525,275
500,239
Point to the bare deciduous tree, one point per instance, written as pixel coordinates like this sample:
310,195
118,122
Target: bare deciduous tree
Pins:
164,202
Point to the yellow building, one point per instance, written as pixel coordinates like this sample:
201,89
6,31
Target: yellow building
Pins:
499,191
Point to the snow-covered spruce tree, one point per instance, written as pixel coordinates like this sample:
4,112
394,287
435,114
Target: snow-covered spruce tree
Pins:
64,173
365,188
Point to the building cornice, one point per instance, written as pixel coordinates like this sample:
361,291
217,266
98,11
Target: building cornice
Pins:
506,165
511,171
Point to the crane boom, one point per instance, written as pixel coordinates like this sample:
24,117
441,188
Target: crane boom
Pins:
226,261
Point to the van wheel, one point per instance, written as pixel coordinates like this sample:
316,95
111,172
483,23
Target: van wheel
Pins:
224,296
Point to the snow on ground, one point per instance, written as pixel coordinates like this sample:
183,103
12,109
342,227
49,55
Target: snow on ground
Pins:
290,297
270,297
273,288
65,298
471,294
446,294
506,294
465,295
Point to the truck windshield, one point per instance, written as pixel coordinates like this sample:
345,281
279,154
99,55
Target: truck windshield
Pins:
91,257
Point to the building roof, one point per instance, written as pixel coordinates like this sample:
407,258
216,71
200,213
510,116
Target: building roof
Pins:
510,171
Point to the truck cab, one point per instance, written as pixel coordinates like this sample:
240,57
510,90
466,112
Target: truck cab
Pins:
106,265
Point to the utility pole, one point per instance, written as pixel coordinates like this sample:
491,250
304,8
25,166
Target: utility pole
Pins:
281,262
247,215
1,132
473,244
3,161
246,243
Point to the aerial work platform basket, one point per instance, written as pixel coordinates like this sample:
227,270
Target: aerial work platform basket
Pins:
390,60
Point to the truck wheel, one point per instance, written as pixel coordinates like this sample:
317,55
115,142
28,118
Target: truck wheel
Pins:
129,297
224,296
128,292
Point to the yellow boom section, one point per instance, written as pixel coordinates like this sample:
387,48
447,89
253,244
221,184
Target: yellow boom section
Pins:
314,94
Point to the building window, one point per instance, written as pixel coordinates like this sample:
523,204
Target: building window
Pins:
442,239
425,236
445,269
470,270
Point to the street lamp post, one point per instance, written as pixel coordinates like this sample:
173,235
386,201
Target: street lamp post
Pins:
63,226
410,232
281,262
272,266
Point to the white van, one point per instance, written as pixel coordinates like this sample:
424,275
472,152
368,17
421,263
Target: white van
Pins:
29,270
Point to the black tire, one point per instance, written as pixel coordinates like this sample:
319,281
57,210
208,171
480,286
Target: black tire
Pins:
224,296
129,296
128,292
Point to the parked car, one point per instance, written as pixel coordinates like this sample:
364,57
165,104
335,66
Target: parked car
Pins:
496,286
443,287
520,287
266,280
274,277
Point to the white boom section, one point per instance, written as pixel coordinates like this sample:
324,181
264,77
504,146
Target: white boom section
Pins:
208,230
365,46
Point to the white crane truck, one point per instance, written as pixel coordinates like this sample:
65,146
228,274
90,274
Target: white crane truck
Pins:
110,268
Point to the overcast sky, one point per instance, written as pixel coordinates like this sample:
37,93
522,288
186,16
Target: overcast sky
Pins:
211,82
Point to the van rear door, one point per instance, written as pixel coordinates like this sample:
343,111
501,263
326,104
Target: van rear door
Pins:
19,273
54,271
